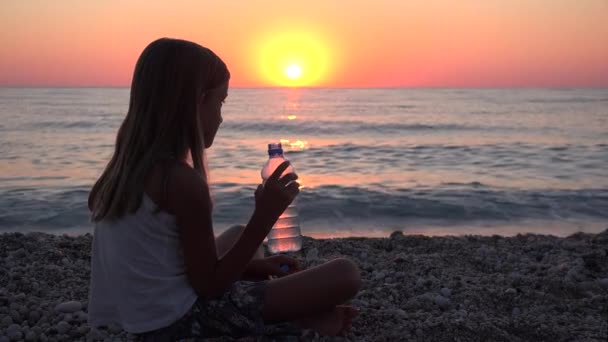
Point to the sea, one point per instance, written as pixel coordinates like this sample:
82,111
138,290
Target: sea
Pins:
370,161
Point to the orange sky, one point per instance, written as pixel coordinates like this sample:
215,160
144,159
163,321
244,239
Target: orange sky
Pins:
365,43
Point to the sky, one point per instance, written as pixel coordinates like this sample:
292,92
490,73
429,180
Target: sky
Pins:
317,43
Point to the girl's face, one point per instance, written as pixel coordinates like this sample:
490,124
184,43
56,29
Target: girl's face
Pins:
210,112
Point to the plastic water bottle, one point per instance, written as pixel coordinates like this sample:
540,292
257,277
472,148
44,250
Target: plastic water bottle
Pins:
285,235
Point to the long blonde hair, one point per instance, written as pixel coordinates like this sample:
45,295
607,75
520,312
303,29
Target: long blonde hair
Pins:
162,121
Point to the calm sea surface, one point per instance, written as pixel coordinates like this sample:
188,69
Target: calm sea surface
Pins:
371,161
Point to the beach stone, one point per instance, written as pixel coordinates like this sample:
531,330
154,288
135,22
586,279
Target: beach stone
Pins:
68,307
516,312
441,301
397,312
511,291
83,329
446,292
312,254
30,336
6,321
399,258
603,283
399,275
13,327
379,275
15,315
15,335
396,234
359,303
95,334
62,327
33,317
13,332
114,329
82,316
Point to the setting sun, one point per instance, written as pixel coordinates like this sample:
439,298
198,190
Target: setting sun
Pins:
293,71
293,59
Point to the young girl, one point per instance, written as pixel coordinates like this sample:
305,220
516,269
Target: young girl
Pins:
157,270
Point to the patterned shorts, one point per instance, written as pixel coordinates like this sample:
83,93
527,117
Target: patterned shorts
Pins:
236,314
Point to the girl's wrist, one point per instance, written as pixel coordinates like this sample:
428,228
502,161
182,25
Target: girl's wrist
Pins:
259,218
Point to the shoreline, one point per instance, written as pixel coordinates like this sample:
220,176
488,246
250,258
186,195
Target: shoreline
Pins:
414,287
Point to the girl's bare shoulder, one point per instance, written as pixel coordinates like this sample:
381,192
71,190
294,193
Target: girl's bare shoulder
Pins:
172,182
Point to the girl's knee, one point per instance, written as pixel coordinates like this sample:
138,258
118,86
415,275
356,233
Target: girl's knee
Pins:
349,274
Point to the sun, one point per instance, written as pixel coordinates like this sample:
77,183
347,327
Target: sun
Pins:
293,71
293,58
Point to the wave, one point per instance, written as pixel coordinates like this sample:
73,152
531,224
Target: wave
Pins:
570,100
349,127
454,203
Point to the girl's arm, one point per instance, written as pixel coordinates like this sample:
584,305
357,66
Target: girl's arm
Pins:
189,201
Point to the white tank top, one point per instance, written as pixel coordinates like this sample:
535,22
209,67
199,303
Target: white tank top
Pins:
138,275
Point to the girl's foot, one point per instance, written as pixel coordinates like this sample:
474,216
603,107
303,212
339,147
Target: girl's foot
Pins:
335,322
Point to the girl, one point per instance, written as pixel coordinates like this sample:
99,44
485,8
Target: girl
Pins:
157,269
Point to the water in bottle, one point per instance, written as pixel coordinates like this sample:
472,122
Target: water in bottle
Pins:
285,235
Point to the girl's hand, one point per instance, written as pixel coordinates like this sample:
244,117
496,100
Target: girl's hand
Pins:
271,266
272,198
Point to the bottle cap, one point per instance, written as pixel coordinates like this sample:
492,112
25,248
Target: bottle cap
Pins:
275,148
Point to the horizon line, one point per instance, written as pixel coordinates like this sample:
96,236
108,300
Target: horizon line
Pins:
321,87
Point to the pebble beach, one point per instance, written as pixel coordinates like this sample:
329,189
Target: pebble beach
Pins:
415,288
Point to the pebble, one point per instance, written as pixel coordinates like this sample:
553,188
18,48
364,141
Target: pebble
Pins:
33,316
82,316
441,301
13,328
30,336
15,335
62,327
413,288
379,275
68,307
312,254
96,334
114,329
15,315
83,329
359,303
516,312
6,321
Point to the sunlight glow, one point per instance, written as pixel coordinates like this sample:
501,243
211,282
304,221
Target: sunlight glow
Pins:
293,59
293,71
297,145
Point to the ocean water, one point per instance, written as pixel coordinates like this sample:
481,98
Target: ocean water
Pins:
371,161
